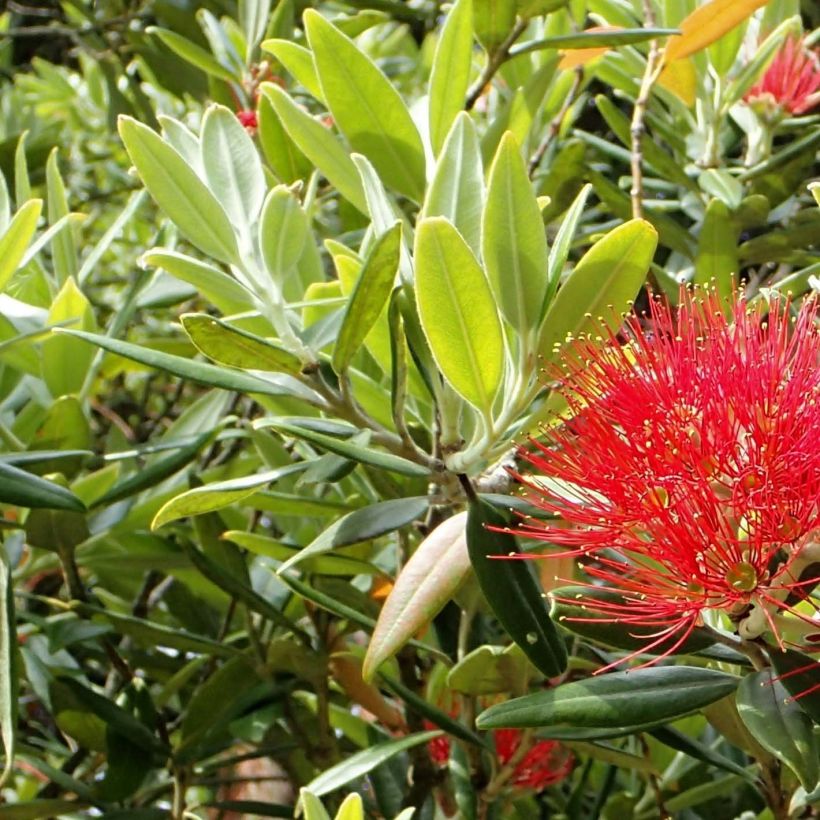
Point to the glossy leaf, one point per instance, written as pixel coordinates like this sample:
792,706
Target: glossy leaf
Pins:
615,699
514,242
319,145
511,589
369,297
425,584
458,313
229,345
362,525
180,193
491,670
27,490
708,23
601,287
450,73
359,764
800,675
779,725
366,107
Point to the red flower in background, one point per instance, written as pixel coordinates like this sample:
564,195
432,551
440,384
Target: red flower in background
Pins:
792,80
545,763
689,474
248,119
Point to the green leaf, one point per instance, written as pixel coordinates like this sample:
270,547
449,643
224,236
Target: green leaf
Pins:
42,808
602,286
369,297
514,241
27,490
458,313
362,525
450,74
593,39
63,246
298,61
217,495
559,252
457,189
181,366
716,263
493,20
8,669
367,108
491,670
722,185
425,584
192,53
361,763
154,473
799,673
356,452
700,751
779,725
233,169
312,806
634,697
16,238
283,231
229,345
319,145
180,193
512,590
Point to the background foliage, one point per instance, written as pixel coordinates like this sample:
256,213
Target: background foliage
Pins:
277,285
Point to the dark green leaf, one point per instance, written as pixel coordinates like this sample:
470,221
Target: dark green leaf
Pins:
27,490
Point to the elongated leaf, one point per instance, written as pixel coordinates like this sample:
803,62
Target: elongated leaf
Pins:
362,525
16,238
27,490
232,167
800,675
366,107
512,591
458,313
450,73
319,145
298,61
356,452
8,670
179,191
716,263
200,372
192,53
779,725
426,583
594,39
215,496
361,763
700,751
40,808
613,700
457,189
369,296
63,245
283,231
514,241
601,287
312,806
229,345
559,252
708,23
151,475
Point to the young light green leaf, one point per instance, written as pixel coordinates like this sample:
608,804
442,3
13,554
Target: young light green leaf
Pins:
298,61
16,239
458,312
361,763
232,167
425,584
716,262
631,698
457,189
253,17
283,231
514,241
362,525
601,287
319,145
63,246
226,344
369,296
450,73
367,108
563,241
778,724
179,191
192,53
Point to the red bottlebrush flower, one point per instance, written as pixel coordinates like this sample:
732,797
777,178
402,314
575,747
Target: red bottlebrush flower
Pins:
791,82
689,474
438,747
544,764
248,119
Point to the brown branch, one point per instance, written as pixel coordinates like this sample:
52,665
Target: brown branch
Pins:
494,61
555,125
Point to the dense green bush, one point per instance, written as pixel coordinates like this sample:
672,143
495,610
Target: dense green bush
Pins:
284,286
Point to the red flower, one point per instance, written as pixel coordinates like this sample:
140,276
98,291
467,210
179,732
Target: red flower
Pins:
792,80
248,119
544,764
690,471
